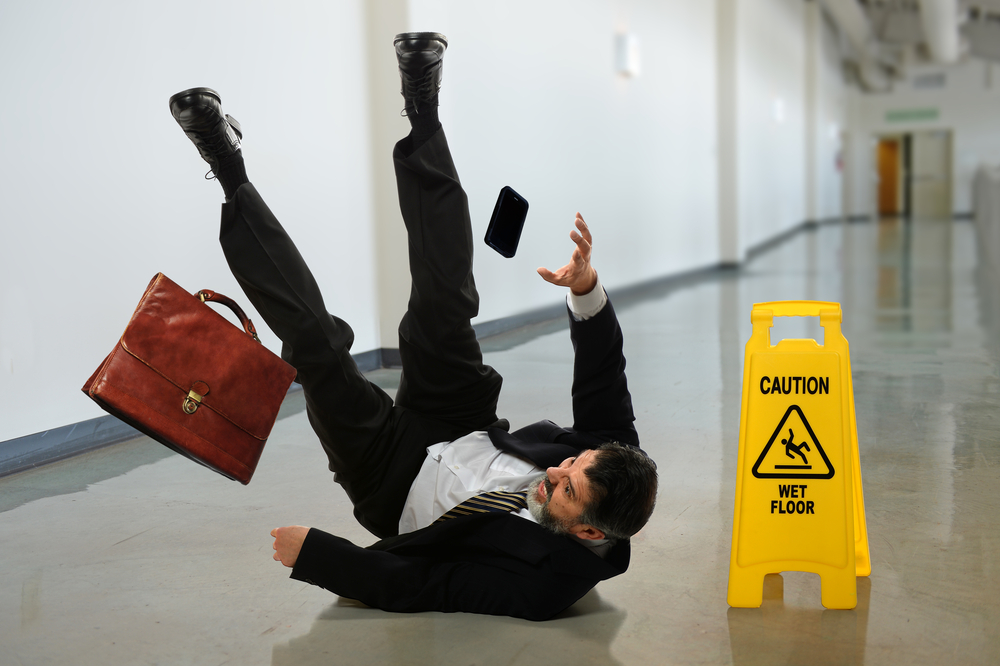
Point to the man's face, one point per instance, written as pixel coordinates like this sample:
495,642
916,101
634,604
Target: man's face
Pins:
560,495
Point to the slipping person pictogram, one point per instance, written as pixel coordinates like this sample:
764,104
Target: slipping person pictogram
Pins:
790,446
773,461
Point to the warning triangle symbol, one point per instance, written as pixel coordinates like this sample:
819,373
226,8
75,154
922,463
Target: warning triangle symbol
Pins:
793,452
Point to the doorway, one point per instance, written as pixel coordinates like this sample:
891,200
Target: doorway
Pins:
914,174
891,161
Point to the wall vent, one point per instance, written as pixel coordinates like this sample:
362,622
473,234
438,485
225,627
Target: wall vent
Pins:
930,81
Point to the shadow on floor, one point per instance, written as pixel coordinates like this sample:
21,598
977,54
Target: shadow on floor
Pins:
350,632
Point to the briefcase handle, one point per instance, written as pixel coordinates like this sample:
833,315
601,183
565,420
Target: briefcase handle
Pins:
206,295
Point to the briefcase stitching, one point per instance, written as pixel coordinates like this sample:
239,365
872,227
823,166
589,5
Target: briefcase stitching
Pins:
183,392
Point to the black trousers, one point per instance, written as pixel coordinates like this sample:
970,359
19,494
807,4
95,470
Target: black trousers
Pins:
376,447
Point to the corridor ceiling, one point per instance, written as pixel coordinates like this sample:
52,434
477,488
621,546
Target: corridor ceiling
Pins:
883,37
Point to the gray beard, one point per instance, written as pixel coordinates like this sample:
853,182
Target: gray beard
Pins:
540,511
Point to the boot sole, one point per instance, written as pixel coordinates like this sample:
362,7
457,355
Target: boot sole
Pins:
430,36
196,91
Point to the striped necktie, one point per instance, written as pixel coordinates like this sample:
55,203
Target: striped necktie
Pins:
495,501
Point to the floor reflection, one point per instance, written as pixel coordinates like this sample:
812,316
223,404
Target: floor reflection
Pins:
914,284
780,633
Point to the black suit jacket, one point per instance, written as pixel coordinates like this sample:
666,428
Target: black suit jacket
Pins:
493,563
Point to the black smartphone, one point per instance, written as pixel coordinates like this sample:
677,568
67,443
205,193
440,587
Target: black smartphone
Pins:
505,227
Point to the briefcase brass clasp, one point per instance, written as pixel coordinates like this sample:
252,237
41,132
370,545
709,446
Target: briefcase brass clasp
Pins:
191,403
193,399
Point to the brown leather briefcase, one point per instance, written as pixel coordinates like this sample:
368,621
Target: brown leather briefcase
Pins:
190,379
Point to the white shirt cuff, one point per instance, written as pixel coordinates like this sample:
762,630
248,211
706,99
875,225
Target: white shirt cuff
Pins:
586,306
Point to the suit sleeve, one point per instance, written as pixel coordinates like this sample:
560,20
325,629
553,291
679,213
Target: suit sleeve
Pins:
414,582
602,404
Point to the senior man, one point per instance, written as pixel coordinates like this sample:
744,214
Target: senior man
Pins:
471,517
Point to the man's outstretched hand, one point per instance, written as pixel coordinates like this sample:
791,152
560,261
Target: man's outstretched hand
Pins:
578,274
288,543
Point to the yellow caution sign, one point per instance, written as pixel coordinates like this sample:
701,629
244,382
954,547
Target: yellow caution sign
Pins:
799,501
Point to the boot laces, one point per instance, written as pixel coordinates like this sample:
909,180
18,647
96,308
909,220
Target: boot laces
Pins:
419,90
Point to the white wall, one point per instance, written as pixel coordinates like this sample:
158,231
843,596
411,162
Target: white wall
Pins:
771,85
531,100
969,105
99,188
783,110
830,125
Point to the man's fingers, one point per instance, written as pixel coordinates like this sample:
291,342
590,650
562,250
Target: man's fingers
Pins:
584,229
582,245
549,276
287,543
556,278
579,263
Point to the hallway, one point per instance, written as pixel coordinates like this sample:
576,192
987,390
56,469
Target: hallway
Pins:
133,555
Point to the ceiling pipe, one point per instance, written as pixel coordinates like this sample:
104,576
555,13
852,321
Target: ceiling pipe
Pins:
940,19
853,23
851,19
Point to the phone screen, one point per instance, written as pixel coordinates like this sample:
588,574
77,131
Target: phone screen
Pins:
504,231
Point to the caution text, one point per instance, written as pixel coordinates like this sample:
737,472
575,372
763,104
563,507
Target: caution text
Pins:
796,385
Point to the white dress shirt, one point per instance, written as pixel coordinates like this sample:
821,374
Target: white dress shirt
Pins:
455,471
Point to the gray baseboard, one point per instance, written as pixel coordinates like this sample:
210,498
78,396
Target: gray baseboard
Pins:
781,237
31,451
487,329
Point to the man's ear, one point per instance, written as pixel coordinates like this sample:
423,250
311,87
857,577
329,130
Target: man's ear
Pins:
584,531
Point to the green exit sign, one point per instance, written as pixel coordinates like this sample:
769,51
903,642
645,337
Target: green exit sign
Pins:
910,115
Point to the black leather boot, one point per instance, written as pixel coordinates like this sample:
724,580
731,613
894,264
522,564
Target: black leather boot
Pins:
419,55
199,113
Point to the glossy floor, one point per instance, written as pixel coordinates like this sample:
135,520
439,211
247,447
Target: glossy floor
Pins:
132,555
